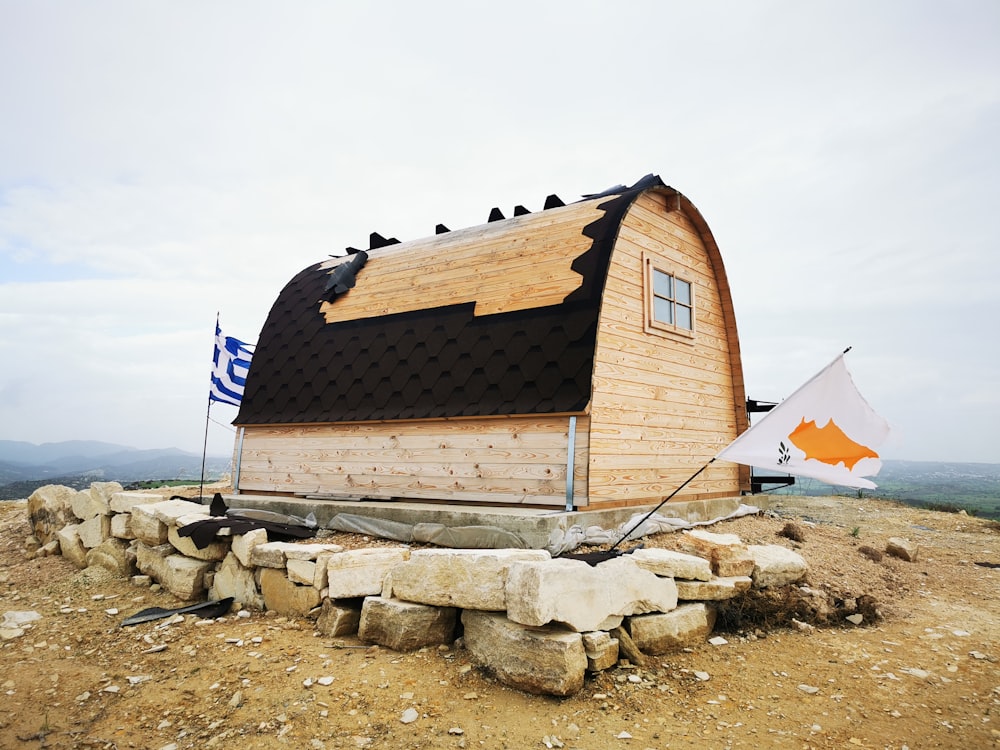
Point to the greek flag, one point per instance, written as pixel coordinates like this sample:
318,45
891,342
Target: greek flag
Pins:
230,363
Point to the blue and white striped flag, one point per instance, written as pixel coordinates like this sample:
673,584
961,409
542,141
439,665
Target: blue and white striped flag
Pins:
230,364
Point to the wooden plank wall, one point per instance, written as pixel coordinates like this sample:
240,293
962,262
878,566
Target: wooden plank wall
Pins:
662,406
519,264
519,460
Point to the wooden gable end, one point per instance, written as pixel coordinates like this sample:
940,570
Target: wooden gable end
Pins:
495,320
664,402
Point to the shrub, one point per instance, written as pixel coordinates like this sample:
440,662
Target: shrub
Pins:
793,531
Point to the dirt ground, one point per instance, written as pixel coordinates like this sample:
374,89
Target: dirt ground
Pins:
923,675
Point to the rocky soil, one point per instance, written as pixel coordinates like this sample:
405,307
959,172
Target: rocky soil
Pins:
920,671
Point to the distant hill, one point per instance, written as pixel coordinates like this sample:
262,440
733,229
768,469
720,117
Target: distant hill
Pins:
75,463
940,485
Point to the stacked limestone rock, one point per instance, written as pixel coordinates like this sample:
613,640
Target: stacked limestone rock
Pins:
540,624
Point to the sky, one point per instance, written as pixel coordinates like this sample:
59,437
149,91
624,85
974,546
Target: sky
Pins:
166,161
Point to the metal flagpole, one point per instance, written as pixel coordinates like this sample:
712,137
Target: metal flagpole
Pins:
208,412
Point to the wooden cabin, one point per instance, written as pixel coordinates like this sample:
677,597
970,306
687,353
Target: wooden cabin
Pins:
582,355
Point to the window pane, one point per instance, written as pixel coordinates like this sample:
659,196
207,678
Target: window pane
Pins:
684,292
684,317
663,310
663,284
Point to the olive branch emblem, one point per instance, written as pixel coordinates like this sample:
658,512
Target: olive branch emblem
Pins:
784,455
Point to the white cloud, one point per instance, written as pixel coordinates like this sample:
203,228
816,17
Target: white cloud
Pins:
163,162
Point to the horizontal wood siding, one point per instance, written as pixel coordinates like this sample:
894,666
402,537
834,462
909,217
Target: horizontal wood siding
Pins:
518,460
662,406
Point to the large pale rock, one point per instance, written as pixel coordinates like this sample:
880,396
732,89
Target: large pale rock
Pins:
87,504
170,511
312,572
670,564
271,554
285,597
182,576
338,618
737,564
728,555
715,590
112,555
123,502
361,572
95,530
305,572
712,539
236,580
405,626
50,508
321,579
104,491
243,545
688,625
311,551
147,528
601,650
215,551
775,565
543,661
904,549
463,578
121,526
387,586
70,545
584,597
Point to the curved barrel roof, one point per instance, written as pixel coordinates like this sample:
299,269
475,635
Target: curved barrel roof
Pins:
498,319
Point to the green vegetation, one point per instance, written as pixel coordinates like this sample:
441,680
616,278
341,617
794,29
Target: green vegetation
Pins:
155,484
22,490
935,485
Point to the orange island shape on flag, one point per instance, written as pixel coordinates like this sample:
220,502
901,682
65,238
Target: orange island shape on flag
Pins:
829,444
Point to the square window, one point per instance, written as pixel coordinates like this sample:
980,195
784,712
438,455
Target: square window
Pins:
669,300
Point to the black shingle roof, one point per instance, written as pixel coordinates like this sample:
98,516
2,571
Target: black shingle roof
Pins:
435,362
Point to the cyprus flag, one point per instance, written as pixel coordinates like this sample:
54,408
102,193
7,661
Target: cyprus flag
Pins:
825,430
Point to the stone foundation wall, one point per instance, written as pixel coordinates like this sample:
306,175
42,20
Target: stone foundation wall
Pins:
538,623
